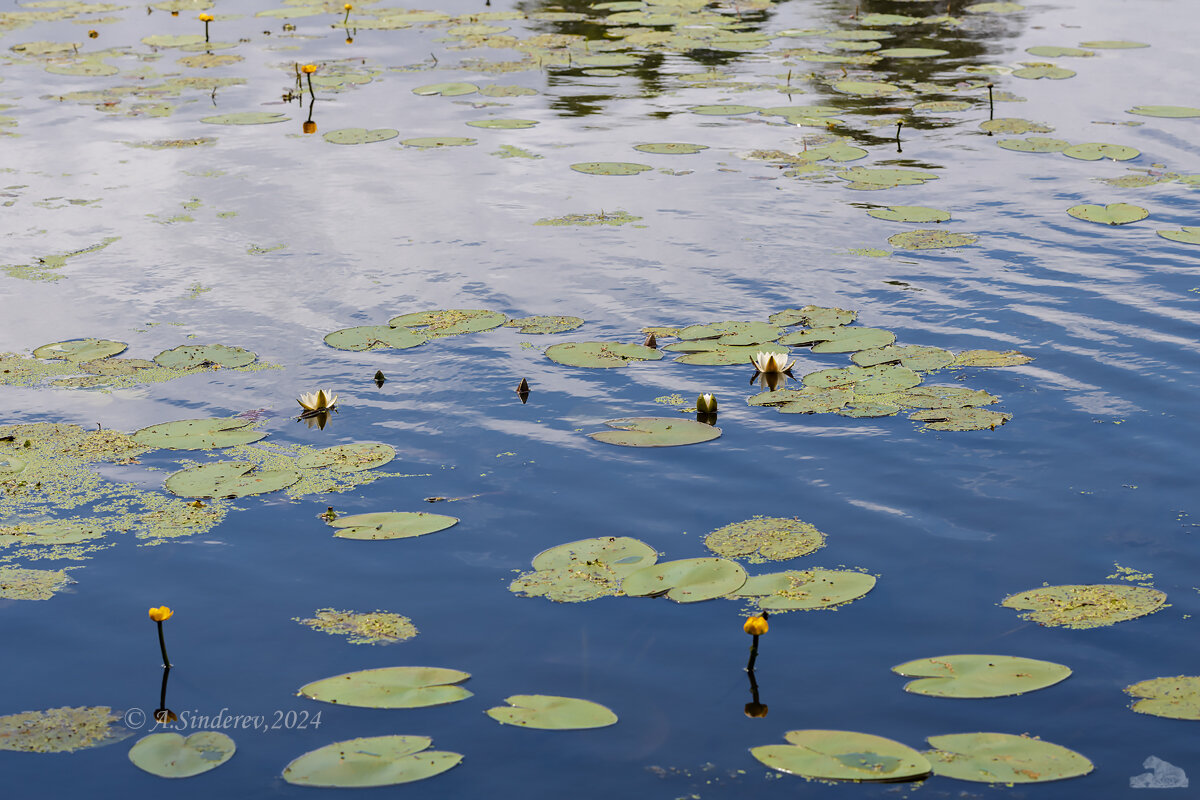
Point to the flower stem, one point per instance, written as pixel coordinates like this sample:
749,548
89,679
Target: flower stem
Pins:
206,31
311,93
162,645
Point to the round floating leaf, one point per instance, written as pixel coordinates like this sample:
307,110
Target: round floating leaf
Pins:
544,324
765,539
551,713
370,761
1110,44
878,379
1035,144
928,239
914,357
169,755
814,317
229,479
911,52
885,178
1003,758
843,756
78,350
960,419
622,554
670,148
247,118
1095,151
391,687
910,214
840,339
979,675
198,434
1052,51
942,106
1086,606
349,457
687,581
724,110
1165,111
655,432
360,135
1039,71
1186,235
869,407
600,354
450,321
995,8
720,355
1111,214
943,397
450,89
734,332
797,590
990,358
804,401
610,168
1174,698
369,337
503,124
439,141
577,584
194,356
61,730
866,88
391,525
1014,125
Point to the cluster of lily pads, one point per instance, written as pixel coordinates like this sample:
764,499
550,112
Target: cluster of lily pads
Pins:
416,328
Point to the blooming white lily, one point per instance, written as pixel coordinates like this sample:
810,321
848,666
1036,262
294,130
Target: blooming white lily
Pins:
771,362
321,400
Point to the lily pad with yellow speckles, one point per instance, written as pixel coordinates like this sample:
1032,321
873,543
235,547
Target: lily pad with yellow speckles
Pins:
1085,606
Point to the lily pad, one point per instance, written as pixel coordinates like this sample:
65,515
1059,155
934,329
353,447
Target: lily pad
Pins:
610,168
911,52
866,88
689,580
349,457
928,239
990,358
655,432
670,148
1085,606
600,354
503,124
960,419
448,89
547,712
1038,71
979,675
1095,151
370,337
914,357
724,110
169,755
378,627
391,687
814,317
544,324
450,321
370,761
910,214
195,356
942,397
878,379
1113,44
360,135
765,539
712,354
733,332
61,730
575,584
843,756
1186,235
391,525
803,590
79,350
430,142
199,434
1014,125
1054,51
865,177
805,401
247,118
1174,698
942,106
1171,112
1111,214
622,554
229,479
1003,758
840,339
1035,144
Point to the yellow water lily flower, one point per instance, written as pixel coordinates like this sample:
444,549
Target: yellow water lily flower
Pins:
161,614
771,362
316,402
706,404
755,626
206,18
348,7
309,69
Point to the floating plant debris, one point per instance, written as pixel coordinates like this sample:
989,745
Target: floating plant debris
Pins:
1003,758
551,713
371,761
391,687
376,627
979,675
61,730
169,755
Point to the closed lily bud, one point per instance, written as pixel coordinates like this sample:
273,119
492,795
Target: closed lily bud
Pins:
755,626
706,404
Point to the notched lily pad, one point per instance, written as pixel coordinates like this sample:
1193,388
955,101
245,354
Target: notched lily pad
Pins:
371,337
840,339
600,354
391,525
212,356
843,756
979,675
544,324
449,322
247,118
670,148
1174,698
929,239
1085,606
1035,144
1095,151
655,432
1175,112
805,401
360,135
229,479
914,357
1003,758
199,434
169,755
391,687
910,214
689,580
370,761
797,590
585,570
61,730
766,539
1185,235
349,457
548,712
79,350
610,168
1111,214
814,317
1014,125
960,419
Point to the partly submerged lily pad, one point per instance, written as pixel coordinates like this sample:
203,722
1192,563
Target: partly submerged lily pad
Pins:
979,675
544,324
910,214
18,583
805,401
349,457
360,135
377,627
195,356
765,539
548,712
928,239
733,332
796,590
1003,758
503,124
169,755
198,434
610,168
1111,214
655,432
391,525
990,358
370,337
79,350
622,554
229,479
391,687
600,354
1086,606
843,756
370,761
1174,698
61,730
689,580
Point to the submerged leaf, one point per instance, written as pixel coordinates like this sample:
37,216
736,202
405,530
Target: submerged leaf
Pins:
370,337
840,339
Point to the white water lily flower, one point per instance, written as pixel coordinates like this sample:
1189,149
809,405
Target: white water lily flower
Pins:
319,401
771,362
706,404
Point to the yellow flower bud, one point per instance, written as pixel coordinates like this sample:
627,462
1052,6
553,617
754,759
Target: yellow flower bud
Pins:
309,127
756,710
755,626
348,7
206,17
309,69
161,614
93,34
706,404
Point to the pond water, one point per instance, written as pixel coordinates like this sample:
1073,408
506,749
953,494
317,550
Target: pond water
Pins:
129,218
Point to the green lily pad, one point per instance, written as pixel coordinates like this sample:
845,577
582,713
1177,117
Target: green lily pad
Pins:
18,583
1039,71
960,419
1186,235
1053,51
1111,214
175,40
247,118
391,525
503,124
450,321
377,627
1035,144
1014,125
814,317
733,332
1113,44
878,379
711,354
198,434
991,358
804,590
942,106
1174,698
1003,758
805,401
910,214
544,324
622,554
724,110
195,356
430,142
1170,112
229,479
928,239
843,756
914,357
1095,151
655,432
610,168
547,712
602,355
765,539
670,148
689,580
884,178
61,730
391,687
360,135
585,570
866,88
979,675
1086,606
349,457
911,52
79,350
448,89
370,761
169,755
840,339
942,397
370,337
